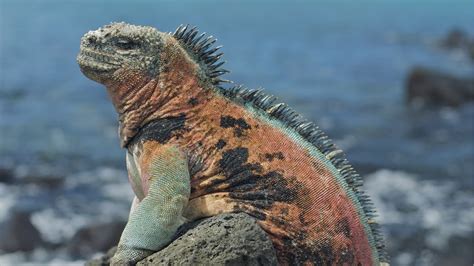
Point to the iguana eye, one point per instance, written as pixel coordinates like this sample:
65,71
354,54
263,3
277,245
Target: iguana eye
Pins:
126,44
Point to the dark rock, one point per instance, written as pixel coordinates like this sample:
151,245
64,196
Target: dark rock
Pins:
39,176
43,176
432,87
458,39
226,239
95,238
17,233
12,94
103,260
45,181
6,175
458,251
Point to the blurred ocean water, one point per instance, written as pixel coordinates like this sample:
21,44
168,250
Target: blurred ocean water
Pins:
340,63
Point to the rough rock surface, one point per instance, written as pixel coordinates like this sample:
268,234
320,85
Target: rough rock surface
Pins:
227,239
433,87
104,260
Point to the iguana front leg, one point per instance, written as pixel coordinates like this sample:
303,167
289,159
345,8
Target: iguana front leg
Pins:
155,219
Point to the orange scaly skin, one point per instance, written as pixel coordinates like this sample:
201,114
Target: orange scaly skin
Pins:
314,213
241,159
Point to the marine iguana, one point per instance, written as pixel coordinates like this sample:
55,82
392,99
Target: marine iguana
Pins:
195,149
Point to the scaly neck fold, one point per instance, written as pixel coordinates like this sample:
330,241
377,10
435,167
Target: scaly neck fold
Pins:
139,99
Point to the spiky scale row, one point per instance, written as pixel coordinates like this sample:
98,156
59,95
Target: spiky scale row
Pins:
202,49
318,138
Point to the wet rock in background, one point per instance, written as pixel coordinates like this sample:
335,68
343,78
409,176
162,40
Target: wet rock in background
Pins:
103,260
17,233
227,239
458,39
6,175
95,238
11,95
43,176
433,87
459,251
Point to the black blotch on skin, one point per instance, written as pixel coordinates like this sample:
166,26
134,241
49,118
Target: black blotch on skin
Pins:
289,251
193,101
234,166
233,160
246,181
297,253
325,251
263,189
160,130
229,121
342,226
302,219
276,155
318,253
194,163
220,144
282,222
279,187
239,125
297,250
346,257
238,132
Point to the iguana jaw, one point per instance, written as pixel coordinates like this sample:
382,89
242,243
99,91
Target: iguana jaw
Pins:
97,66
118,46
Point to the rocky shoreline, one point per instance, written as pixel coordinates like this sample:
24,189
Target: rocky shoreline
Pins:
426,86
457,39
429,86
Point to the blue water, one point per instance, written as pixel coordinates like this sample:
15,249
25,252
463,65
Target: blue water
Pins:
340,63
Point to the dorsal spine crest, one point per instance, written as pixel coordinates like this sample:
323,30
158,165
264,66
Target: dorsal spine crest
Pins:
201,48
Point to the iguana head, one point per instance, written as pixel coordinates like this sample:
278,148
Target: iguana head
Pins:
112,50
119,47
150,74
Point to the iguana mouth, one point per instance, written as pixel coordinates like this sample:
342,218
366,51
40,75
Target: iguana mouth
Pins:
96,60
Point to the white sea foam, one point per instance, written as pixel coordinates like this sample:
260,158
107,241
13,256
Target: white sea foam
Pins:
39,257
120,191
98,176
7,200
54,227
438,207
60,223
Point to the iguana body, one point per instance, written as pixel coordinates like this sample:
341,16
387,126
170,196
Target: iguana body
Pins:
196,150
